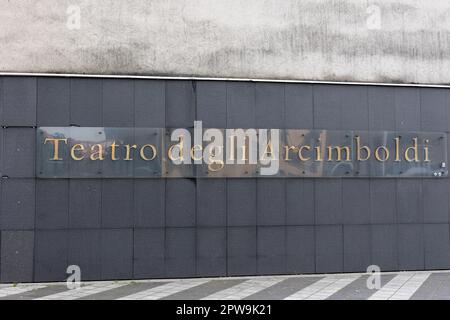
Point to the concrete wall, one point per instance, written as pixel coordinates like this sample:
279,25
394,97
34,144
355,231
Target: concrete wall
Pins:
405,41
149,228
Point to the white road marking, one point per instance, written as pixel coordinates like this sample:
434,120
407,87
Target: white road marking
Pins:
165,290
390,288
339,284
244,289
83,291
9,290
411,286
323,288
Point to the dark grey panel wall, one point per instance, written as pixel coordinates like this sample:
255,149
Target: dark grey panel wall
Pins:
156,228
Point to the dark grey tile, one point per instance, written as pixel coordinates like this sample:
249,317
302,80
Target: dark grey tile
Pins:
298,106
117,254
211,202
355,110
435,200
149,253
50,256
327,107
241,110
180,202
212,103
329,249
328,201
355,201
149,103
300,249
85,252
2,142
241,202
381,102
117,203
52,204
433,109
383,206
269,103
53,102
411,247
407,109
385,246
118,102
180,252
180,107
86,102
19,152
85,200
241,243
211,252
19,101
18,204
437,246
299,201
17,256
357,243
271,197
409,201
271,250
149,196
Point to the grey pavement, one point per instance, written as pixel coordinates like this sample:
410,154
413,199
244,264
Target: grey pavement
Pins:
421,285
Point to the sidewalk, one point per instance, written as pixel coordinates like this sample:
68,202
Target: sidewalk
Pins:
400,285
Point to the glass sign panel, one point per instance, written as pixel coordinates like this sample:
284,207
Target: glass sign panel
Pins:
105,152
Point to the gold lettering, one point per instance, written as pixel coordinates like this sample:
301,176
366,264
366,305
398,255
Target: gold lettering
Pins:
318,154
385,151
231,148
97,154
300,154
426,151
339,153
113,151
286,152
268,151
128,151
244,151
180,146
359,148
196,147
215,162
414,149
77,147
55,142
397,149
142,152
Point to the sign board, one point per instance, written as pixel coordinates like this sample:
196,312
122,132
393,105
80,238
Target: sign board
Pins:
105,152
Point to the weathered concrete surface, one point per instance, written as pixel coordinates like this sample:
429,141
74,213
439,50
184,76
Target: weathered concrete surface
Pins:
288,39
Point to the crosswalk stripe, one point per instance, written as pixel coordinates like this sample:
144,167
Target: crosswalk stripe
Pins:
391,287
410,287
82,291
332,288
323,288
164,290
244,289
11,290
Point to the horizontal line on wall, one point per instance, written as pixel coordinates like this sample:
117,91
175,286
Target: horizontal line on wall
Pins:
106,76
